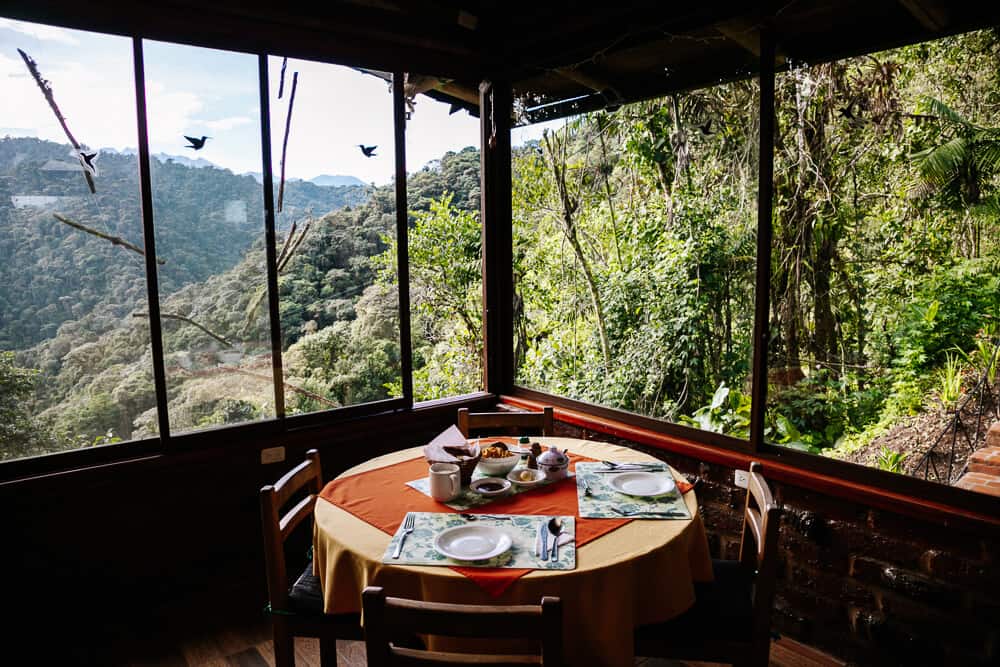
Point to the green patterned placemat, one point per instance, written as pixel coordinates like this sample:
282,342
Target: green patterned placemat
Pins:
468,498
418,549
603,497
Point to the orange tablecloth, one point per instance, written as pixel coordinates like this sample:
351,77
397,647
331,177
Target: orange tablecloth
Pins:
640,572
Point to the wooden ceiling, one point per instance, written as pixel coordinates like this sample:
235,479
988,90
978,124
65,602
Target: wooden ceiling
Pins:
560,58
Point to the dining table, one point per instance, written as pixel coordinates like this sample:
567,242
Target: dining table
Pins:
627,572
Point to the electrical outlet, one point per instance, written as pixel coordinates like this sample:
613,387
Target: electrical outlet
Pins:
741,478
272,455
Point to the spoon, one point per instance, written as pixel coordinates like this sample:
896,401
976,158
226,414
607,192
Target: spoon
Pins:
476,517
586,488
555,527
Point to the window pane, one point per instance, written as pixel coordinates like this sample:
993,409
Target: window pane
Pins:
75,366
446,280
204,134
634,246
339,303
884,274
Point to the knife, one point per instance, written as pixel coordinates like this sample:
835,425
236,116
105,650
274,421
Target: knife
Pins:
629,470
543,540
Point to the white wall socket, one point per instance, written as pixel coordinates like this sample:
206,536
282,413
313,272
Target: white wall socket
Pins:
741,478
272,455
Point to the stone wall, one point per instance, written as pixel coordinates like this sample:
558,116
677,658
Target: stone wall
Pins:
868,586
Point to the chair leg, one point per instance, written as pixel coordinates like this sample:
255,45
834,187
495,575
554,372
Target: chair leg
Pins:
284,645
328,652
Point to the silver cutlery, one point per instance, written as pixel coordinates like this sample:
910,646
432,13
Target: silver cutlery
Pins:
543,540
476,517
617,470
586,488
555,527
677,515
633,465
407,529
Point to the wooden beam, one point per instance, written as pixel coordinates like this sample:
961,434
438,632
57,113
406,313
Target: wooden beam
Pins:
931,14
746,33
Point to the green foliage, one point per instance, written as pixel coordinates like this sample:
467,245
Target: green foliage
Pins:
890,460
729,413
20,434
950,381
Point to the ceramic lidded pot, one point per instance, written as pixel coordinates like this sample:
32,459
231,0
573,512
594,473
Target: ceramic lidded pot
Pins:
554,464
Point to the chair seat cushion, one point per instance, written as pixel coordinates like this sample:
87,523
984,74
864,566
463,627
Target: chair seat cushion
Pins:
723,610
306,595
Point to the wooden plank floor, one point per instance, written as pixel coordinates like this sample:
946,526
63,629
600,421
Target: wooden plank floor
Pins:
249,645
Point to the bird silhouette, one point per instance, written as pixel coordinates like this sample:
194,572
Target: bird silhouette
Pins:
706,128
86,160
196,144
369,151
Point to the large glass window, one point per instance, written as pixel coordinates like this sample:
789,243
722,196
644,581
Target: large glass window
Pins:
203,116
634,246
75,366
445,241
332,137
885,291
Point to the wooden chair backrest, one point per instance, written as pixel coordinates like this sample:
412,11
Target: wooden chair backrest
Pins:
277,527
759,547
543,421
387,618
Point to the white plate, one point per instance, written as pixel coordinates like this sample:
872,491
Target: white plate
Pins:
643,483
472,542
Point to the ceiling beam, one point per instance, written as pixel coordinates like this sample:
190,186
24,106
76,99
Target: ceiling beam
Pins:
931,14
746,33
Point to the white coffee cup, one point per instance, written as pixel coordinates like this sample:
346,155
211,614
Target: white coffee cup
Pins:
446,481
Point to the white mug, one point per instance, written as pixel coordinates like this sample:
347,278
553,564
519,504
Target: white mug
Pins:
445,481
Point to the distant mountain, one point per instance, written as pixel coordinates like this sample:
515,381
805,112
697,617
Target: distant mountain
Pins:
196,163
336,180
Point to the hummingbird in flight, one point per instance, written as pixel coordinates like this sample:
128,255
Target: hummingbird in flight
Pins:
369,151
196,144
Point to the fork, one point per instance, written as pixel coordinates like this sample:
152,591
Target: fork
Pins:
407,529
636,512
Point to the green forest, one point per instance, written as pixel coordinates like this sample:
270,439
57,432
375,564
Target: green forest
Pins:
635,255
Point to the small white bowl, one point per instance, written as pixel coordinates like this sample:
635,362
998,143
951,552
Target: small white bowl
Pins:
498,467
484,486
537,477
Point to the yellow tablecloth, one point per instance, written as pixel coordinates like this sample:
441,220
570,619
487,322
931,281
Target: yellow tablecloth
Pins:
640,573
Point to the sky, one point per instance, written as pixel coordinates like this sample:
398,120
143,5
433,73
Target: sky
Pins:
196,91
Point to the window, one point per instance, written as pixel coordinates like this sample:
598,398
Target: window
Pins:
203,114
634,245
445,242
885,287
75,365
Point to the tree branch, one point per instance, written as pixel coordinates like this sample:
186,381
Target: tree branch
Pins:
284,144
172,316
116,240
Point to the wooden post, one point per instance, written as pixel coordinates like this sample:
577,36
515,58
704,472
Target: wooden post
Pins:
497,245
765,192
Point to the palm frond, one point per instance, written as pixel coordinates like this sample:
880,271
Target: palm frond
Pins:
941,164
944,112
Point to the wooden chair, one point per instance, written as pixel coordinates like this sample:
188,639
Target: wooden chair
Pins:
731,617
387,619
543,421
297,611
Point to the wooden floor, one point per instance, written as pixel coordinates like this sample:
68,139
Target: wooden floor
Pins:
249,645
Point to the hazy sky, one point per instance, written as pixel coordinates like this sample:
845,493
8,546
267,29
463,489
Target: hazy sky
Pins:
195,91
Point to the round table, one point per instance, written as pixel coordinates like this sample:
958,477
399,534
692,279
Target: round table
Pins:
642,572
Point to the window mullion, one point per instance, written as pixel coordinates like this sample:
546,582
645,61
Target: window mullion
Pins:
149,242
765,188
402,239
271,253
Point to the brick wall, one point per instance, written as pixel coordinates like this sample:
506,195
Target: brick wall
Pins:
868,586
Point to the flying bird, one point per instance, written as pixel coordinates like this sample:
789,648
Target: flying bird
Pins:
369,151
706,128
196,144
86,160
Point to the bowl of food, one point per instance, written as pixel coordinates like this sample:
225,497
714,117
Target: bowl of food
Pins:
495,459
526,476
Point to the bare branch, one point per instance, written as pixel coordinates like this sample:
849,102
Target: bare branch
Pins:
173,316
116,240
284,144
50,98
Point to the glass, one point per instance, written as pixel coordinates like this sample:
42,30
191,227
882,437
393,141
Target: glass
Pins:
75,364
